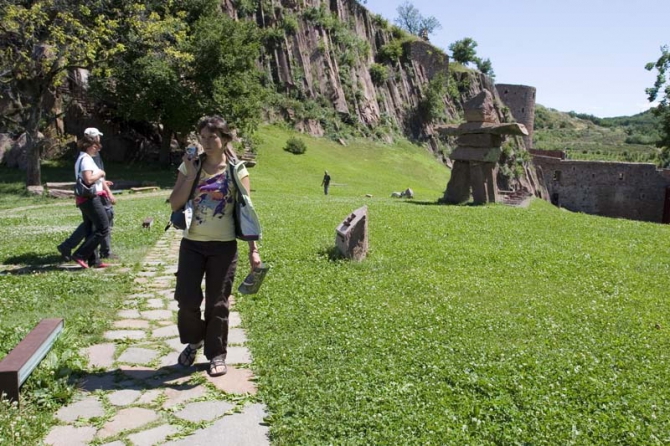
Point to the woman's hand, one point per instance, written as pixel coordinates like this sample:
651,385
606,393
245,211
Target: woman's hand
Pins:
254,259
190,164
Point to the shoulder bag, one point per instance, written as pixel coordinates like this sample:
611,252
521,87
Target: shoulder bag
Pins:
247,225
81,189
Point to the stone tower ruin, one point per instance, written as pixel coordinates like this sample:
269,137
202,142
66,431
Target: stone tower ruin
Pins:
520,99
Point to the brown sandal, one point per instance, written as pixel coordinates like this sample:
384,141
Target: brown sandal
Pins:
217,366
187,357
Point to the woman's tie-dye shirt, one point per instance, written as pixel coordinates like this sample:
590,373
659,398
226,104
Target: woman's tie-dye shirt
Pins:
213,201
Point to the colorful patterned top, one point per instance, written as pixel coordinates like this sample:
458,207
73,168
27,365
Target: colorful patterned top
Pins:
213,205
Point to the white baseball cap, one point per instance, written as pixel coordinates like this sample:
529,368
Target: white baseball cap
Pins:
93,132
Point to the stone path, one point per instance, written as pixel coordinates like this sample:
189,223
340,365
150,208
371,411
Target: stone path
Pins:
135,394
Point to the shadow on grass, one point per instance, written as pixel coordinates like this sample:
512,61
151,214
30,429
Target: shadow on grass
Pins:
40,269
32,259
441,203
332,253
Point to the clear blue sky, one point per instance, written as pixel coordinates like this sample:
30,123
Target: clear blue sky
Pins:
581,55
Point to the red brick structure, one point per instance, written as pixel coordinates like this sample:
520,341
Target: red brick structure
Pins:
636,191
520,99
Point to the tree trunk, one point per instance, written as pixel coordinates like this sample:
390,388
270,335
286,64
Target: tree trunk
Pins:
166,147
33,169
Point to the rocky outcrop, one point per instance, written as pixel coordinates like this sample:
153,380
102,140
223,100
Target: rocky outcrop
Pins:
338,65
330,53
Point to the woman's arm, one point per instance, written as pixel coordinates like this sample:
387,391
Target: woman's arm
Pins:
89,177
182,188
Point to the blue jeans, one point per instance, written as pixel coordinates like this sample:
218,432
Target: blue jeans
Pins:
96,224
80,234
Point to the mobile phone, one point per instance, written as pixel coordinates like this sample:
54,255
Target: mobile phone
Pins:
191,151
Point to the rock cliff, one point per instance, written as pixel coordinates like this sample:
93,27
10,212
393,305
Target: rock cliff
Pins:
338,54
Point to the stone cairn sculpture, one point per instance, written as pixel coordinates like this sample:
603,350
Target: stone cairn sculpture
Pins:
475,159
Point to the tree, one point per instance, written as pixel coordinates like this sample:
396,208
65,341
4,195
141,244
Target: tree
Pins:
410,19
661,91
484,65
463,51
39,42
177,69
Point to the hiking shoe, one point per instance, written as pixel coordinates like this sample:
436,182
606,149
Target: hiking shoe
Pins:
102,265
217,366
65,253
187,356
81,262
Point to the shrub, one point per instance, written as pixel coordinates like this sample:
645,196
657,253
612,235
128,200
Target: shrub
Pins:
379,74
295,145
431,106
290,24
391,52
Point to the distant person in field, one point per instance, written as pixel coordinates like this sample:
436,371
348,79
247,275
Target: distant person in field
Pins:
209,246
325,183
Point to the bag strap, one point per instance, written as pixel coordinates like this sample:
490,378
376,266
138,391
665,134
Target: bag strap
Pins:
197,178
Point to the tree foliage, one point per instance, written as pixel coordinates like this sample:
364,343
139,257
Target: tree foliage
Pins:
484,65
410,19
39,42
179,67
463,51
661,92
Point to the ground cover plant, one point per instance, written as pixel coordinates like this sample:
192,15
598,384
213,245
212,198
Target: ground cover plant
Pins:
31,227
465,325
32,287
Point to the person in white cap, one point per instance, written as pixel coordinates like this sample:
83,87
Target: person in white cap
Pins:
79,234
94,214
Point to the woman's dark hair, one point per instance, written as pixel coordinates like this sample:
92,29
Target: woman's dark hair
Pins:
216,124
87,141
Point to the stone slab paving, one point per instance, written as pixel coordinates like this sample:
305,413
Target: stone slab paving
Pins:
131,323
100,355
124,397
136,394
87,408
153,436
129,314
70,436
204,411
242,429
134,355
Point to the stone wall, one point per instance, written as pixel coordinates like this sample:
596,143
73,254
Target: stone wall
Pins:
520,99
634,191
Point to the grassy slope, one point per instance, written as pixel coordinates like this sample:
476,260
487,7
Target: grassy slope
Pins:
465,324
584,140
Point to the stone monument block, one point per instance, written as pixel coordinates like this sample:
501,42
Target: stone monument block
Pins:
351,236
490,155
481,108
479,140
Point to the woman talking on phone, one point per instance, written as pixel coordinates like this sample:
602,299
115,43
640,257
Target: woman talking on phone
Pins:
209,246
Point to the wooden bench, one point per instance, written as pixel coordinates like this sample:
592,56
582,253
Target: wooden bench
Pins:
17,366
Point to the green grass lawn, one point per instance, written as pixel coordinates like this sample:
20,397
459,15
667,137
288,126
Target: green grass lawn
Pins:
465,324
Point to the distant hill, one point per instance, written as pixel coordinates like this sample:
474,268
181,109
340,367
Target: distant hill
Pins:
587,137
